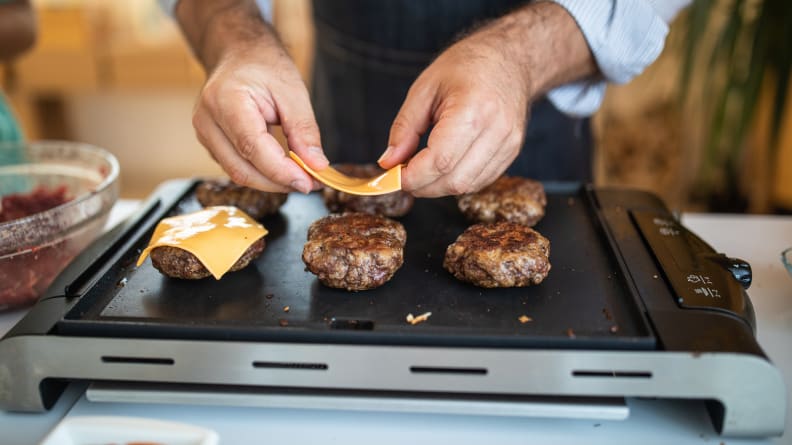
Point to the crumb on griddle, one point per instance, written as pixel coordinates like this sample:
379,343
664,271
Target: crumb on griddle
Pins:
269,296
524,319
614,329
413,320
283,322
570,333
286,308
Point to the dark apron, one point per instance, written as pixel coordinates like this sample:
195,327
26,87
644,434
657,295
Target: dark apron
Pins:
369,52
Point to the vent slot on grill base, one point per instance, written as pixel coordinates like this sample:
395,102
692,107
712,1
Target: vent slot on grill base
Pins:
137,360
447,370
290,365
613,373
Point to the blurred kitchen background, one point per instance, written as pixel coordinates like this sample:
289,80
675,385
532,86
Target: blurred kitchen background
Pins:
119,75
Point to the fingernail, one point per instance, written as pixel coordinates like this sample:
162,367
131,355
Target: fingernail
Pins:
385,155
318,154
300,186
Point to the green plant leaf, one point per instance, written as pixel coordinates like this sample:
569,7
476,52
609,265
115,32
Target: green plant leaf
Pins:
695,22
781,60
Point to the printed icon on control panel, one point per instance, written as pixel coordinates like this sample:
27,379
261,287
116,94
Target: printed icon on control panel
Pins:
695,279
707,292
662,222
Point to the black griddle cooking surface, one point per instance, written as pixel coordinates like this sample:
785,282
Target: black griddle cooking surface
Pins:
583,303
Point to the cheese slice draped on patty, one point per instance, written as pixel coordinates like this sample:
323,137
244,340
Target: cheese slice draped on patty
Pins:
217,236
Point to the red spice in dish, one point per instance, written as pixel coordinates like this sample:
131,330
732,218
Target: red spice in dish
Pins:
20,205
26,275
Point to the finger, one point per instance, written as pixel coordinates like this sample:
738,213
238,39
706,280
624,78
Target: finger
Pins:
494,170
462,179
410,124
448,142
222,151
299,125
244,126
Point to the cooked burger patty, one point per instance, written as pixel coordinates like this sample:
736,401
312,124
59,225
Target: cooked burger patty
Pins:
392,205
354,251
510,198
179,263
501,254
254,202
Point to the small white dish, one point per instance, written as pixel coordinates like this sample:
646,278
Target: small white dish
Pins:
117,430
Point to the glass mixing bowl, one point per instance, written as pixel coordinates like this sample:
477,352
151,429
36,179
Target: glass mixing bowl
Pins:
35,248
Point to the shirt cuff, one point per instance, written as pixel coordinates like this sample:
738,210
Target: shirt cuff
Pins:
625,36
169,6
265,6
578,99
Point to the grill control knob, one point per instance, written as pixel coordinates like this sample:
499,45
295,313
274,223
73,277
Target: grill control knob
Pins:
740,269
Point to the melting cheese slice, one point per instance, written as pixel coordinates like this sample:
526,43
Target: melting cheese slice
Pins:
387,182
217,236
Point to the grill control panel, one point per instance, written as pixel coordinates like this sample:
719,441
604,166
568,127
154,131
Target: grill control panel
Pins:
700,277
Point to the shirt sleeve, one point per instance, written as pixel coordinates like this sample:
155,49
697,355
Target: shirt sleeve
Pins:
625,36
265,6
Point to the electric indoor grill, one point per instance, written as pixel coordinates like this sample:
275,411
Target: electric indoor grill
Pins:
635,306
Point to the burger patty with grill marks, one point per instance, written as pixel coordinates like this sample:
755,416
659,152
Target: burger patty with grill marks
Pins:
501,254
254,202
393,205
354,251
510,198
179,263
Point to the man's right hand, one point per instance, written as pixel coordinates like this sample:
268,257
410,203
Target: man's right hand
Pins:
252,84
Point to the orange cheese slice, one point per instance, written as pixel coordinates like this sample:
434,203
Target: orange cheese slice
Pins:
217,236
387,182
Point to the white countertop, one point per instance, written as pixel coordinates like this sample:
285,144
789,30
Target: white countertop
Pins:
757,239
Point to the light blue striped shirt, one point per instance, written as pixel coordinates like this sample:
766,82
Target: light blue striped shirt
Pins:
625,36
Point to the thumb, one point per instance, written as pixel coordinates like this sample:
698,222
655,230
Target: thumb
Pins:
410,123
301,130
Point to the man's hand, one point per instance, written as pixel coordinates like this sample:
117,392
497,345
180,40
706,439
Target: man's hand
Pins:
252,84
476,97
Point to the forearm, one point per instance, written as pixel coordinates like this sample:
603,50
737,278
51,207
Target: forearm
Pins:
17,28
215,28
547,44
